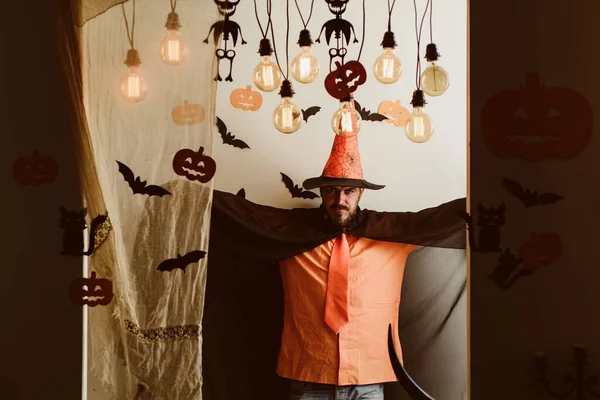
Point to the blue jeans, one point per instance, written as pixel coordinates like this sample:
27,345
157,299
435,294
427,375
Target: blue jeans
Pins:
320,391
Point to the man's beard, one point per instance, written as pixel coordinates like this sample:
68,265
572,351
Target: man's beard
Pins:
341,220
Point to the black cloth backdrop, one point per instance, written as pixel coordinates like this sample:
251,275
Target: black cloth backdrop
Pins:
244,296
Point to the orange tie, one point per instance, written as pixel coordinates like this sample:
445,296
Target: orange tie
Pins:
336,299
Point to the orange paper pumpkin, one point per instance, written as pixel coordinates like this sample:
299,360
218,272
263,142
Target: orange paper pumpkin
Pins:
536,123
396,114
35,169
188,114
91,291
540,250
246,99
194,165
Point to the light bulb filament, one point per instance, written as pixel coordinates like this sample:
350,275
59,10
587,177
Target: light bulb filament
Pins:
346,123
419,130
268,78
133,86
304,67
388,68
287,118
173,50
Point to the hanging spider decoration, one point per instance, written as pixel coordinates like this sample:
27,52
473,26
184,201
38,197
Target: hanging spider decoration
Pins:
226,27
339,28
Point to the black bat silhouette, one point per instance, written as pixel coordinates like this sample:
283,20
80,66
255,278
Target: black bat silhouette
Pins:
241,193
181,262
309,112
367,115
529,197
412,389
297,191
228,138
139,186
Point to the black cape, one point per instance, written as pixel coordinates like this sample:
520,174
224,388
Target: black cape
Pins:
243,311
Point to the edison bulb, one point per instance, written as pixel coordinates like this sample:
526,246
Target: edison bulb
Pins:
305,66
172,48
267,76
346,120
434,80
418,128
287,117
387,67
133,86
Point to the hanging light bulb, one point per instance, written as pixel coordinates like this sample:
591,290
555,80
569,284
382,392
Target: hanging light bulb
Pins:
387,67
133,86
287,117
172,47
434,80
346,120
267,76
305,66
418,128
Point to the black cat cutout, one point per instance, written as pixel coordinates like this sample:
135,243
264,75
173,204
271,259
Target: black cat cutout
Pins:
489,221
227,28
73,223
137,185
181,262
229,138
505,274
295,190
412,389
367,115
241,193
530,197
309,112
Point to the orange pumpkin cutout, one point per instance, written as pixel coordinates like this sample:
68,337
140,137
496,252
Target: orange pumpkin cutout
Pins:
194,165
91,291
396,114
35,169
536,123
246,99
188,114
540,250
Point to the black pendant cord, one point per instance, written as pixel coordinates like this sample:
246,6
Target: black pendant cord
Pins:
287,39
173,5
130,37
430,21
390,9
418,29
264,32
305,23
364,23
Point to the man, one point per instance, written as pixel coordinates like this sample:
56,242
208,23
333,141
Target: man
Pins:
340,272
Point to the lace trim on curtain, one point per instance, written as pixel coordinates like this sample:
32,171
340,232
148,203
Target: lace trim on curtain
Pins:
166,333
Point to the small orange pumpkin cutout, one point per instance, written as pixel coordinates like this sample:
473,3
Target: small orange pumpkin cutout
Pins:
540,250
188,114
246,99
396,114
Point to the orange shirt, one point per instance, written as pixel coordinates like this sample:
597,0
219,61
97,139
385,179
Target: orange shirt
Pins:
310,351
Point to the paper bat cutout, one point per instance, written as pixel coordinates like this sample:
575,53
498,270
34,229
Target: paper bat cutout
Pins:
241,193
228,138
295,190
181,262
137,185
367,115
530,197
309,112
412,389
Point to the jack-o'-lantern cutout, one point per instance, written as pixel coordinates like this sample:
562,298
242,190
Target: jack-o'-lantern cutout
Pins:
246,99
396,114
188,114
536,122
35,169
345,79
194,165
540,250
92,291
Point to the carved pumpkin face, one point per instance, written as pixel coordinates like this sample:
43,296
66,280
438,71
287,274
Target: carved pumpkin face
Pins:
536,123
540,250
194,165
91,291
345,79
395,113
188,114
246,99
35,169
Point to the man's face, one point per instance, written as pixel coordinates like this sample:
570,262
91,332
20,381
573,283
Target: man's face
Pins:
340,202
